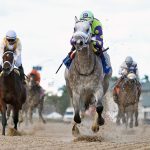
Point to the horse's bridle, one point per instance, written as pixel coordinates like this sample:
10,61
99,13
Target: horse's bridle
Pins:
11,64
83,39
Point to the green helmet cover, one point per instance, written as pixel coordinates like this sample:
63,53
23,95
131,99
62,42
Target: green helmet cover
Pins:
87,15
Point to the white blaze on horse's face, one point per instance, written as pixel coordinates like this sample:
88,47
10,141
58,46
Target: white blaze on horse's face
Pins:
8,61
82,34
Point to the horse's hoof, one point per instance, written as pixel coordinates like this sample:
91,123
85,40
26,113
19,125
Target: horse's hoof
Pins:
75,131
101,121
124,121
44,121
136,124
118,123
77,119
131,125
95,128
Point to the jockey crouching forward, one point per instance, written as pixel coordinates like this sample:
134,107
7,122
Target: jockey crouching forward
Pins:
97,41
128,66
37,80
11,42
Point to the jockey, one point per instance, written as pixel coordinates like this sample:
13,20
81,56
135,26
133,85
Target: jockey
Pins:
37,76
97,41
37,80
126,67
12,42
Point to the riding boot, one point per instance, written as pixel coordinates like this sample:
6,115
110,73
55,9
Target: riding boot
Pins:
21,70
106,67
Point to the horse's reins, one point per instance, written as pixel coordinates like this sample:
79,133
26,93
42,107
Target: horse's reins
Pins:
9,51
87,74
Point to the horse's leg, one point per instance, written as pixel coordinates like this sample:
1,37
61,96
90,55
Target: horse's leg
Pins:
26,110
127,118
4,121
40,109
20,117
136,114
95,125
9,108
98,119
30,114
131,117
26,117
99,107
118,116
76,105
77,119
15,117
122,113
123,116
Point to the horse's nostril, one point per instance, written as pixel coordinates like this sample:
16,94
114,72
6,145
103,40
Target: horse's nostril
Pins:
79,42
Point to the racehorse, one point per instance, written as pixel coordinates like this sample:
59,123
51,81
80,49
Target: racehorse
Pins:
85,80
12,90
34,100
128,98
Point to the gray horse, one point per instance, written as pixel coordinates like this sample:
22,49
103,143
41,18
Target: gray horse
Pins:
34,100
85,80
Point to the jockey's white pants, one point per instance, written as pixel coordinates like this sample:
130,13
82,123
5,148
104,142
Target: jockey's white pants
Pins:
18,61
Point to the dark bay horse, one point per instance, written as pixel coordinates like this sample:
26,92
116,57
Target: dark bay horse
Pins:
128,98
85,80
12,90
35,99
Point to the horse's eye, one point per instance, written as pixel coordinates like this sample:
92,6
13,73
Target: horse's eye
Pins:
74,29
87,30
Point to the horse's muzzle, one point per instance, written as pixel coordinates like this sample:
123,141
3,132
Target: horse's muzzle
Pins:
79,42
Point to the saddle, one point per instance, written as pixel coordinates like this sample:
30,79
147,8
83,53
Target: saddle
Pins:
16,71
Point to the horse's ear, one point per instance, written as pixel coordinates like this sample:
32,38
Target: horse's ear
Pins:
76,19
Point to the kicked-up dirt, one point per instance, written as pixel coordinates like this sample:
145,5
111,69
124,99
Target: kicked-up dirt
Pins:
58,136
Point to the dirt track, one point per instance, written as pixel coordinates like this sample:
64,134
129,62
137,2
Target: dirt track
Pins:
57,136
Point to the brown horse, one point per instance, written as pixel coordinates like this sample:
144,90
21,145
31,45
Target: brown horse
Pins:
12,90
128,97
34,100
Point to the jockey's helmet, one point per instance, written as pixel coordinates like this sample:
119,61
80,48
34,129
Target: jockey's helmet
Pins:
129,60
87,15
11,36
